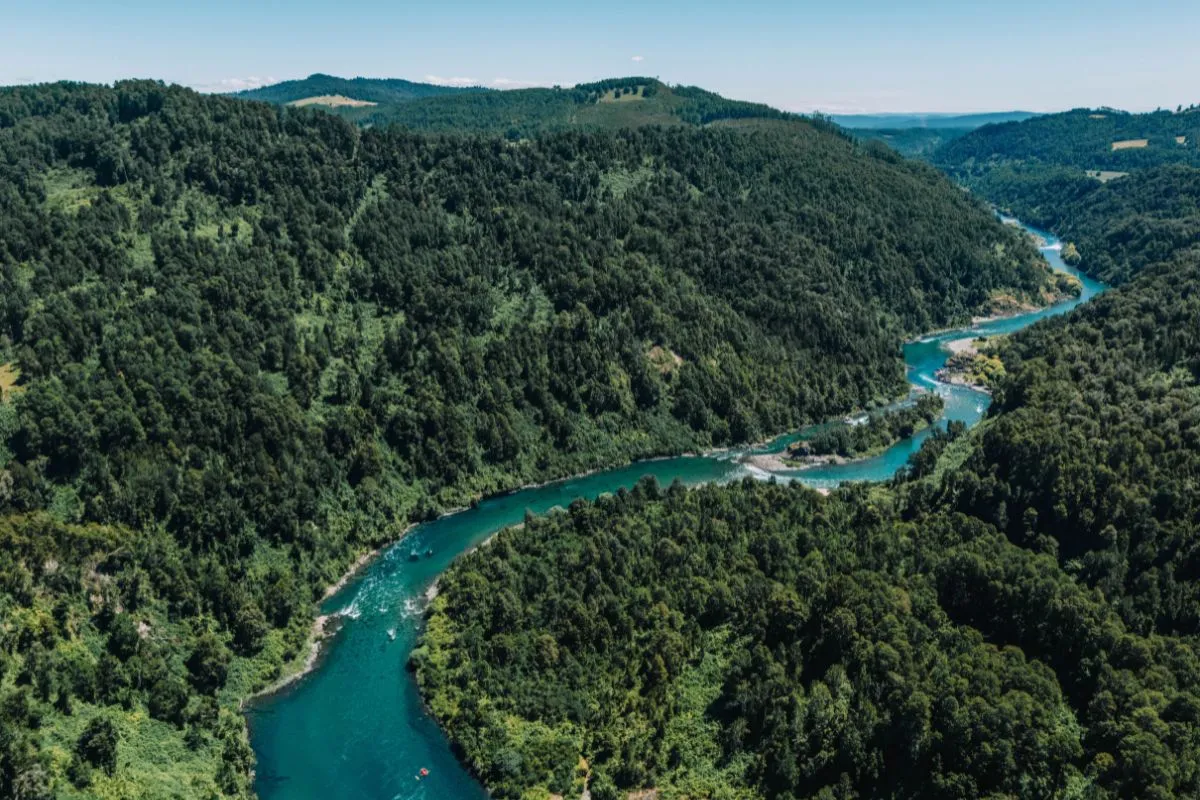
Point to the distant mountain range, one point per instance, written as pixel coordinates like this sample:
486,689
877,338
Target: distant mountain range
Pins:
374,91
918,120
516,113
620,102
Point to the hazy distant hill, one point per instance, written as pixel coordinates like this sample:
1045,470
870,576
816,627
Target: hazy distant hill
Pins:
911,142
614,103
920,135
897,121
378,91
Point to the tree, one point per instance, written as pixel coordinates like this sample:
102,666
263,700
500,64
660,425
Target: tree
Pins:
208,663
97,745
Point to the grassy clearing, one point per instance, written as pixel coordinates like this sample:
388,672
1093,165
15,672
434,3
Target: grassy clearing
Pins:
1130,144
620,181
9,375
612,96
333,101
1105,175
664,360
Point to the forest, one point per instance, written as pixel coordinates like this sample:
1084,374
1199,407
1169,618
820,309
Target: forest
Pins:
1014,616
1086,139
911,142
242,344
1113,228
880,430
1119,209
612,104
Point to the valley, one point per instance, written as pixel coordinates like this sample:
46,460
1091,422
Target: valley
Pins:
362,706
471,437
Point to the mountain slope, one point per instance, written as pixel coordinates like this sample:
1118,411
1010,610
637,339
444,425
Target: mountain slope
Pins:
910,142
241,344
603,105
1114,228
1086,139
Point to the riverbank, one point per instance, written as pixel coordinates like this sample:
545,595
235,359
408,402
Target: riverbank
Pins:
317,635
319,631
971,365
323,628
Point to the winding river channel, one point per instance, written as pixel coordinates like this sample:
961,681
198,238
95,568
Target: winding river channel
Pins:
355,729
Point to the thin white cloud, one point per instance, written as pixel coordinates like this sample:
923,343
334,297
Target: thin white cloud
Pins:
235,84
638,58
440,81
511,83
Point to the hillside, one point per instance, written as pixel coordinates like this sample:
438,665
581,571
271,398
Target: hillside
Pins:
378,91
1113,228
1086,139
1120,188
919,143
517,113
242,344
920,135
1016,617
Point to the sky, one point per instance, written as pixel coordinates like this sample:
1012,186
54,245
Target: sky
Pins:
844,56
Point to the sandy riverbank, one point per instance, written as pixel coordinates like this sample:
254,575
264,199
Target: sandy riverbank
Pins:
968,346
775,462
963,355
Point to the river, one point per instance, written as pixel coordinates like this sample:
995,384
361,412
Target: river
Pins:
355,729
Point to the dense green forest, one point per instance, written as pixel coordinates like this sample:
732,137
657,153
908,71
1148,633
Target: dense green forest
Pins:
876,433
240,344
1015,616
615,103
1113,228
1086,139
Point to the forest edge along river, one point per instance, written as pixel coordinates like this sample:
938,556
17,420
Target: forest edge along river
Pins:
355,727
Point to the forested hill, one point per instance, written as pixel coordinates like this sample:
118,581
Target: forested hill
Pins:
1086,139
517,113
920,135
374,91
1016,617
1114,228
240,344
1123,190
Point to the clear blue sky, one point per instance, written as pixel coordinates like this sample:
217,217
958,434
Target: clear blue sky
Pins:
834,55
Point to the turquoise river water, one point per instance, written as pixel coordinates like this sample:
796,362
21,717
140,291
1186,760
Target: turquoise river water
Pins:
355,729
